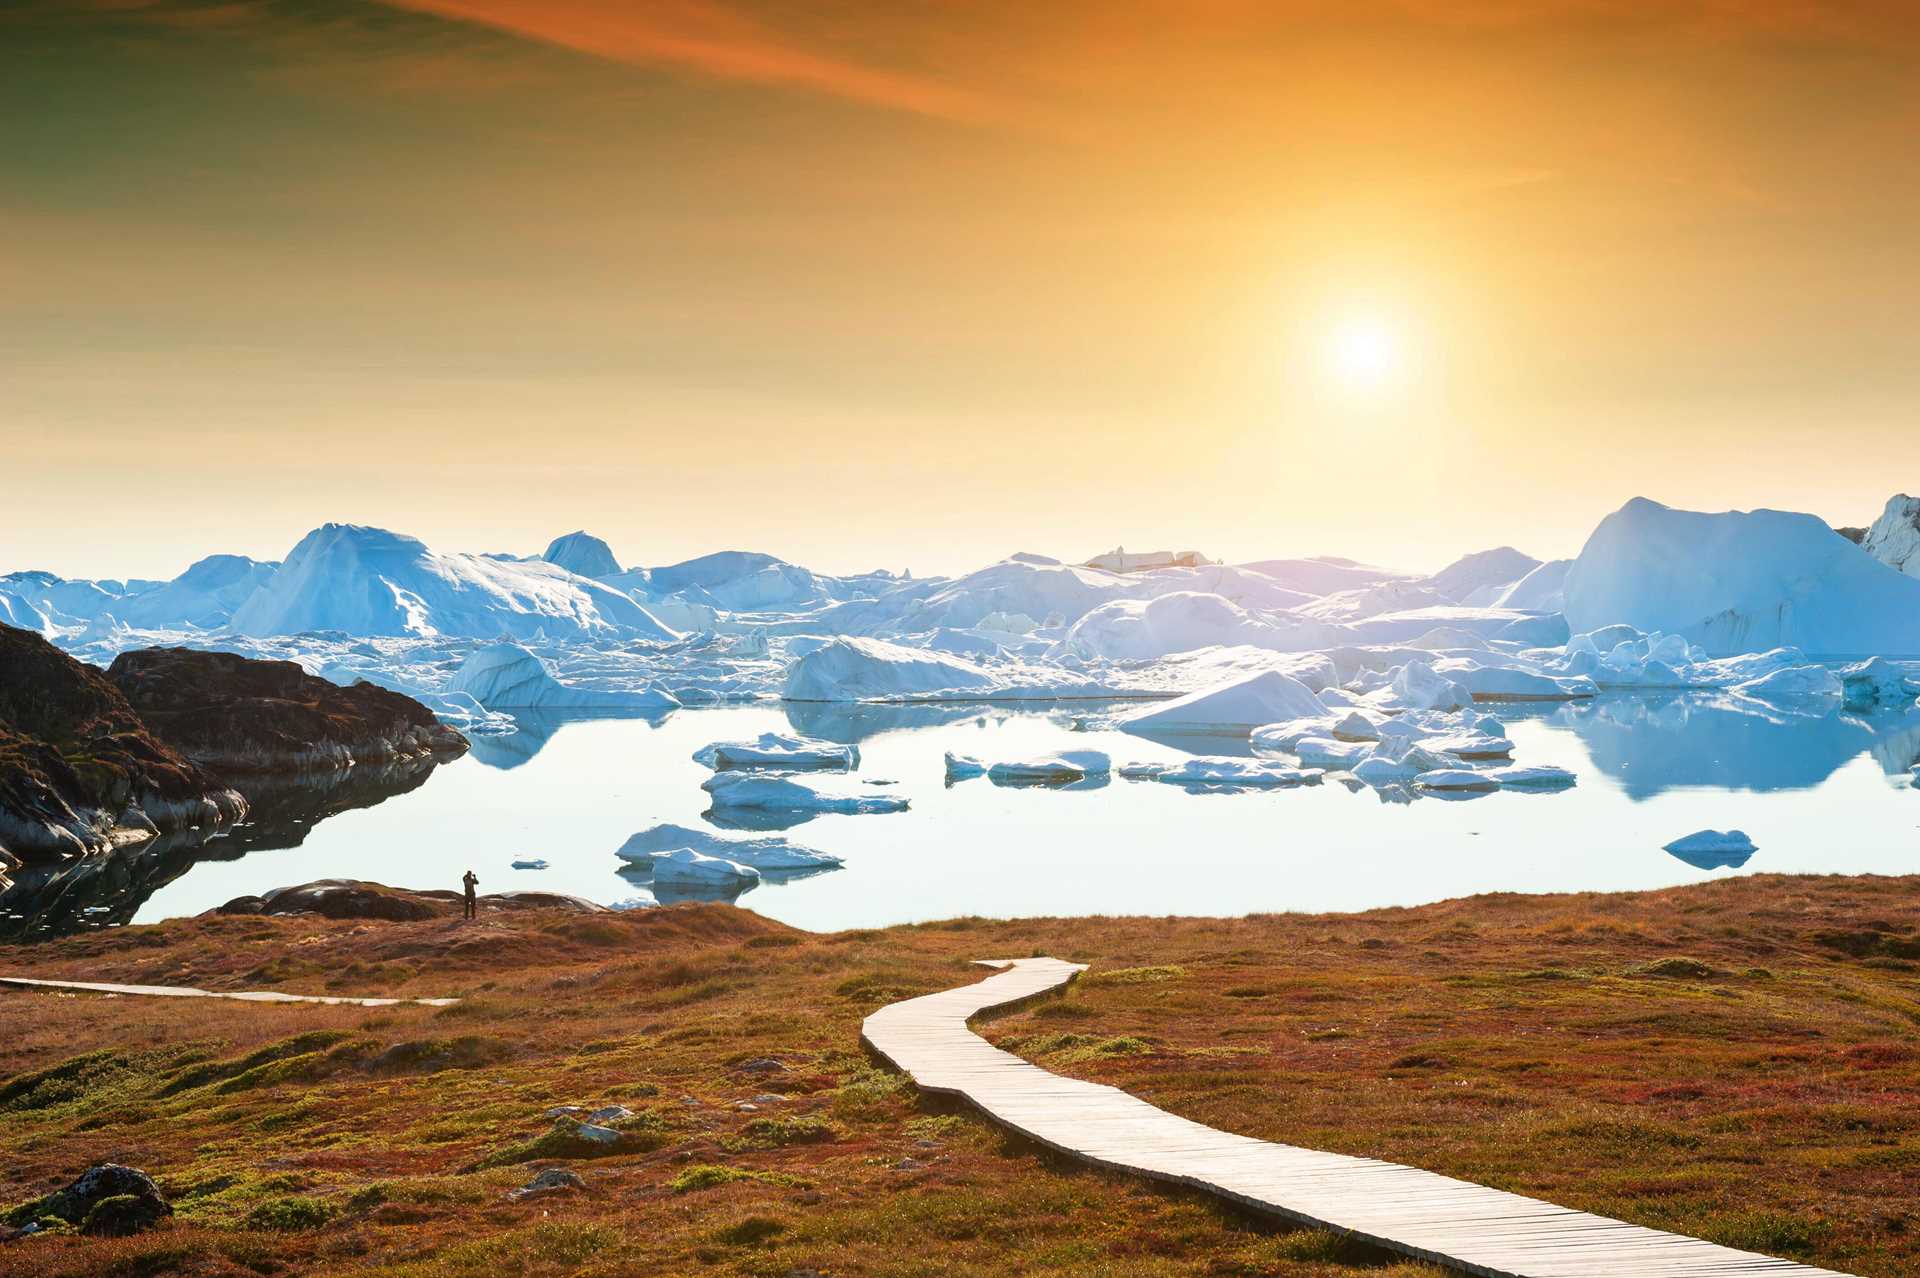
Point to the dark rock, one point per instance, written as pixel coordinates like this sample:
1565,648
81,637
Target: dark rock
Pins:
79,770
127,1201
238,715
355,899
763,1065
1854,535
554,1180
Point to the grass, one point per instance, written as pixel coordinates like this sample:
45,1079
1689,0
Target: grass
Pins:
1739,1060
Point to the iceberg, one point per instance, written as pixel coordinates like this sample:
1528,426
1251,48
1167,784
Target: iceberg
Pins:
510,677
685,868
1204,771
1064,768
774,750
1456,779
1713,849
582,554
1542,590
1142,629
759,792
1230,709
1894,538
1329,753
1538,777
203,597
1741,581
368,581
1877,684
769,854
1482,577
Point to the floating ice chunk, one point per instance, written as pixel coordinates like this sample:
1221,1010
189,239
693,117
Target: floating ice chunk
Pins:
1419,686
1877,684
530,863
1537,777
1505,683
776,750
767,853
1712,848
1224,772
683,867
1332,755
1055,769
1795,683
1231,709
1284,736
1471,746
1457,779
962,766
508,676
1356,727
783,794
1378,770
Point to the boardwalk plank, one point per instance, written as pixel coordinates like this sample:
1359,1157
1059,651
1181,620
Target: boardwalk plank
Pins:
1419,1213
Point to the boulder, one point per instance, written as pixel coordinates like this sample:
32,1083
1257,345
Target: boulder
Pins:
106,1199
554,1180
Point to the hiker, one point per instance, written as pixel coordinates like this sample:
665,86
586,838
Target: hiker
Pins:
470,881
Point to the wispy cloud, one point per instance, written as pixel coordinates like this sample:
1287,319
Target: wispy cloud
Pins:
708,38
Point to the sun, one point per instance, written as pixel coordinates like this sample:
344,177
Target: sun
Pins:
1364,352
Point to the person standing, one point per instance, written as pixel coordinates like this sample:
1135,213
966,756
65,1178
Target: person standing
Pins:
470,881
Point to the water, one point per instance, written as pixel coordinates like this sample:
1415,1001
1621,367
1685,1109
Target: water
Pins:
1818,794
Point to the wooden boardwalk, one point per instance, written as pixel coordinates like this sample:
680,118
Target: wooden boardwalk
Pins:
244,996
1420,1213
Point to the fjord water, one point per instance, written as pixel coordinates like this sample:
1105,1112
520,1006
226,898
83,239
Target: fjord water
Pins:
1820,793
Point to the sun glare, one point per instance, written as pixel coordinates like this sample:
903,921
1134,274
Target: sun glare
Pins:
1364,352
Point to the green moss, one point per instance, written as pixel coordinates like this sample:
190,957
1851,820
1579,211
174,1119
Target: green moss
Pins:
1137,975
288,1215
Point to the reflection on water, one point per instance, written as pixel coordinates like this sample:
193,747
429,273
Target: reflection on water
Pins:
1652,744
570,790
106,891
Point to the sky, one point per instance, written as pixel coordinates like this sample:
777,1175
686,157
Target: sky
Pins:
915,284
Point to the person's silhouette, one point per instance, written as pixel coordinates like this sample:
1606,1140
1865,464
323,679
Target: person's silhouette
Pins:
470,881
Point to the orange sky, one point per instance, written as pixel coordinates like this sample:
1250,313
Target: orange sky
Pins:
916,285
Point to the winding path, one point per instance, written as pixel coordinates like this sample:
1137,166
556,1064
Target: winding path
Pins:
244,996
1419,1213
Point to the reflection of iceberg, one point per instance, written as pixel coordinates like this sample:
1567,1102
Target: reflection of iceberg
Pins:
1653,744
536,729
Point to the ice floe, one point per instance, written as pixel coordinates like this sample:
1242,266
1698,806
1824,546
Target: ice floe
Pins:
1226,773
778,751
1063,768
760,792
769,854
1712,849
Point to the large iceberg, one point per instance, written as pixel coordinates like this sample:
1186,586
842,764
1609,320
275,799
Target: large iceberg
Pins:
1894,538
1741,581
203,597
368,581
1232,709
583,554
506,676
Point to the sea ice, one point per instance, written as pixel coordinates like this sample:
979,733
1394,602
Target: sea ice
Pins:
783,794
1537,777
683,867
1457,779
774,750
770,854
1203,770
509,676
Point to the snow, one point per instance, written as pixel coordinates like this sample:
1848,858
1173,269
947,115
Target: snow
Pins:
1229,709
1207,771
770,854
1894,538
1741,581
776,750
511,677
764,793
368,581
584,554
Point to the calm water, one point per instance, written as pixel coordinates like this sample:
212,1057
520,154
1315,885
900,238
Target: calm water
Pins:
1821,794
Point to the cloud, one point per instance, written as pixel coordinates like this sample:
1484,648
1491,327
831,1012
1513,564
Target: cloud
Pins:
709,38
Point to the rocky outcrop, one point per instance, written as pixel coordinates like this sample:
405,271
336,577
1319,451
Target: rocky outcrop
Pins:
238,716
356,899
80,772
1894,538
106,1200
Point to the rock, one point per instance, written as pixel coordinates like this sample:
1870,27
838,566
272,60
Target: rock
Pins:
554,1180
763,1065
909,1165
594,1134
567,1111
80,771
234,714
358,899
610,1114
126,1200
